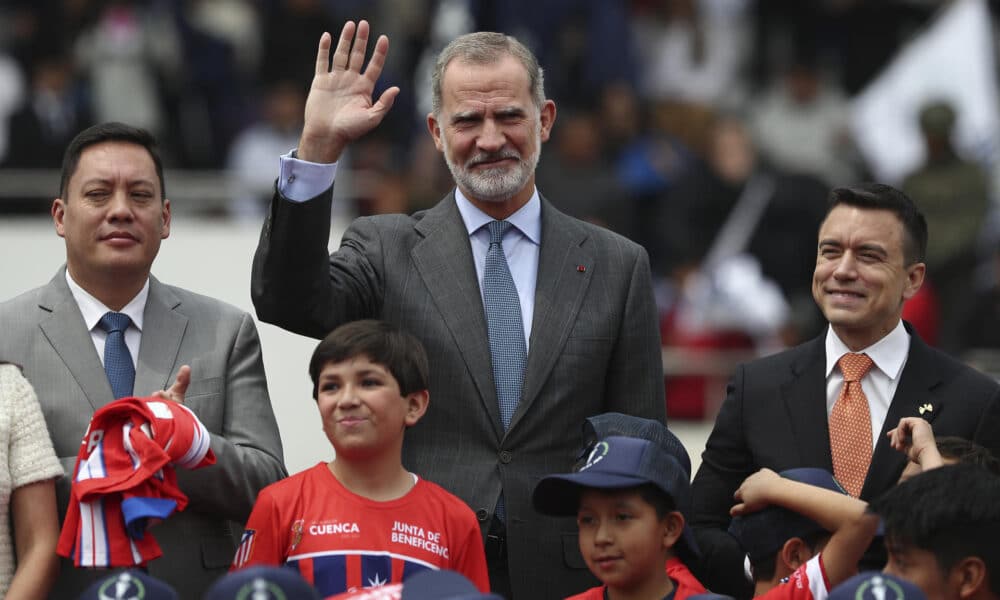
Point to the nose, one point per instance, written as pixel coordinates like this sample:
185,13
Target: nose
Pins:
491,138
603,535
846,267
348,397
120,207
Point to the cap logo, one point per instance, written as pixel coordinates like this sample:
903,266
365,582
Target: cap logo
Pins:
260,589
880,588
597,454
125,587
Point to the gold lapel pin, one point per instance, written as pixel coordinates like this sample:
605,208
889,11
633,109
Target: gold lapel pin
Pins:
926,408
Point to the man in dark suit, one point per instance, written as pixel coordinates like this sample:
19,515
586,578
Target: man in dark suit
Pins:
584,338
112,214
782,411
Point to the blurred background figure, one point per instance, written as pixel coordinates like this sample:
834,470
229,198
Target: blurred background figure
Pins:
800,125
953,193
252,155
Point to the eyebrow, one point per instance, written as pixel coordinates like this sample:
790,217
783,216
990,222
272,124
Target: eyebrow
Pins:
469,115
107,181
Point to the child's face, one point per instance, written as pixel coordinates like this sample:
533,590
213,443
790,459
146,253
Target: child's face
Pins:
622,540
363,411
921,568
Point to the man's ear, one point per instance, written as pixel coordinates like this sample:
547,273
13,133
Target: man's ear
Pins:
547,118
58,212
914,279
969,577
416,406
165,215
434,126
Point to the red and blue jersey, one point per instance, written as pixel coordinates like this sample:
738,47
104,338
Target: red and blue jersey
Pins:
808,582
124,480
340,541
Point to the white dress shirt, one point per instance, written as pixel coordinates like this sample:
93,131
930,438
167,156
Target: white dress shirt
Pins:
889,356
299,180
93,309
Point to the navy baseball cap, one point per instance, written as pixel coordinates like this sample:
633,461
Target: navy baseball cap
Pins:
874,585
604,425
763,533
442,585
129,584
619,462
263,583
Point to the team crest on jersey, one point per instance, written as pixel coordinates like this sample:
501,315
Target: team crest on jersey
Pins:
245,551
123,587
597,454
297,527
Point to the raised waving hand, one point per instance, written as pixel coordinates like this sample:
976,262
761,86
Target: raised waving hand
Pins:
340,106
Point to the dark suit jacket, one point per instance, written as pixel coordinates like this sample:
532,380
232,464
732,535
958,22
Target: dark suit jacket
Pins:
594,347
774,417
44,331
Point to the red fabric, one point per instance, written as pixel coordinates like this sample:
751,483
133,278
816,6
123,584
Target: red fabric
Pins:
685,583
339,540
127,452
808,582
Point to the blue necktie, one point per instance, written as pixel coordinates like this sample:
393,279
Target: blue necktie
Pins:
504,324
117,360
506,331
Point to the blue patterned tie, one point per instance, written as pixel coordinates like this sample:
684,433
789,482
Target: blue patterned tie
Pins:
503,320
117,360
506,331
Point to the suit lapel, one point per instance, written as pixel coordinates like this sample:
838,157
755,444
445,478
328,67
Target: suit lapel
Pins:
565,269
805,400
444,261
919,375
68,335
162,331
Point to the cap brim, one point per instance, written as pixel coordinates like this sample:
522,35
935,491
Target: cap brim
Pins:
559,495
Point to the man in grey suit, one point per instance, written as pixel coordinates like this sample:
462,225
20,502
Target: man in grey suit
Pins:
584,339
112,214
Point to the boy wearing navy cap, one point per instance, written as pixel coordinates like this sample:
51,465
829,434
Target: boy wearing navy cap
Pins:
630,498
784,523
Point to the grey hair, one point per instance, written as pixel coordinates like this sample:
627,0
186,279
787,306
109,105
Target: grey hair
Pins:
487,48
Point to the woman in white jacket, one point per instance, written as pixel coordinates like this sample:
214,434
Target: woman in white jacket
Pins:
28,470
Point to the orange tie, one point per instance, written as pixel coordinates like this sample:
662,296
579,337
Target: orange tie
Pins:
851,426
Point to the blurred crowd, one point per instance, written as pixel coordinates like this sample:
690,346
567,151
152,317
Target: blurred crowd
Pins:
710,131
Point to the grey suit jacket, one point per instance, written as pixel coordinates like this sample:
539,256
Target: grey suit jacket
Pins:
775,417
594,347
44,331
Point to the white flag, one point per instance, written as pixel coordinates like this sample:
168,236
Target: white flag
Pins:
953,60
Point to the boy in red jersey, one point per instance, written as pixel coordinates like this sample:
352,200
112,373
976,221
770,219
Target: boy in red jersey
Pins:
362,520
629,497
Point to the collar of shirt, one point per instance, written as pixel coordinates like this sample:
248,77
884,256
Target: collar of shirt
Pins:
888,354
93,309
527,219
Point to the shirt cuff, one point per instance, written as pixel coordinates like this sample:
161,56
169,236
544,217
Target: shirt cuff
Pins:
300,180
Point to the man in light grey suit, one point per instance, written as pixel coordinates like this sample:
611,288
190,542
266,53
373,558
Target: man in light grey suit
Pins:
583,305
112,213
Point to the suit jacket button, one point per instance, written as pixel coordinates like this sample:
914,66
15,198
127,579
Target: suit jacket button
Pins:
505,456
482,514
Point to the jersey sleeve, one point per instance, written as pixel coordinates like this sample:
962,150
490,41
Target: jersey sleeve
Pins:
808,582
470,557
265,537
